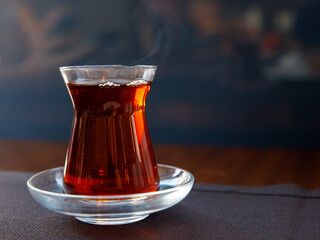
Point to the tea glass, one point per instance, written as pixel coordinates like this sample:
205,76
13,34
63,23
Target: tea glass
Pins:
110,151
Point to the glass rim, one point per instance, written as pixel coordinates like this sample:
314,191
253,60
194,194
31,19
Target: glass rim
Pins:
88,67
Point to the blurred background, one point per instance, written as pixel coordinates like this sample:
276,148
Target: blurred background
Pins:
231,73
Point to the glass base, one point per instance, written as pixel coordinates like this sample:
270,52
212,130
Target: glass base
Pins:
112,220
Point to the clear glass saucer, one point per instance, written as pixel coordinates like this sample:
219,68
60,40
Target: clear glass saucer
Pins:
46,188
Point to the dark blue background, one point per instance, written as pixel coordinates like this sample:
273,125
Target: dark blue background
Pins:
229,73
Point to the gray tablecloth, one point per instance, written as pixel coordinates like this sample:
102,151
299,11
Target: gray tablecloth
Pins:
209,212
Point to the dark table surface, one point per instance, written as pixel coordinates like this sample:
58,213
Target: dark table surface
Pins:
237,204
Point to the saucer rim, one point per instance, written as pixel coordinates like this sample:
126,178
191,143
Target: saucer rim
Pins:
190,181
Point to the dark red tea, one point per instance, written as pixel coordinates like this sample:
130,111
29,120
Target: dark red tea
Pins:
110,150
